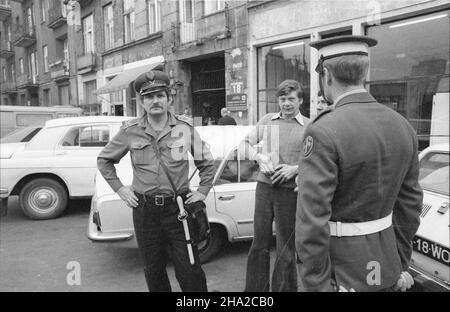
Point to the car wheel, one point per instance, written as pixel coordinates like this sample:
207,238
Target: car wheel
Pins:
209,249
43,198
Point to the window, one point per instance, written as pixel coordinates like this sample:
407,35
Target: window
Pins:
44,9
238,170
434,172
108,22
22,69
91,136
128,19
47,101
25,120
66,55
45,53
154,16
12,72
3,73
32,66
212,6
409,72
276,63
187,30
88,34
8,37
30,20
63,95
89,88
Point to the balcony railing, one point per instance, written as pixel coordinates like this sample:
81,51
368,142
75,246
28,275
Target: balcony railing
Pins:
86,62
24,35
8,87
187,32
5,9
27,81
57,15
6,49
60,70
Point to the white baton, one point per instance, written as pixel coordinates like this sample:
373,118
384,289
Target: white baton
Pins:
183,217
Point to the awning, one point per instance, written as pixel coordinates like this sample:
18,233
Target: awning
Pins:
123,79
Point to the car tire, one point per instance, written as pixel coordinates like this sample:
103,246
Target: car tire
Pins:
211,247
43,198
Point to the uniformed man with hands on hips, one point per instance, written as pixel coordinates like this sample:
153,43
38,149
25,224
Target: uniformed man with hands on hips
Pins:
158,139
359,199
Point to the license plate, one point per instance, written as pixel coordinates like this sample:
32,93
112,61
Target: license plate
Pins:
432,250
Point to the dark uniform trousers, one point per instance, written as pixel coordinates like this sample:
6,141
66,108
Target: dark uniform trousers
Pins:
155,227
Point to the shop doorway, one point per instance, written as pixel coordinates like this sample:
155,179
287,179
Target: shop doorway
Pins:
208,89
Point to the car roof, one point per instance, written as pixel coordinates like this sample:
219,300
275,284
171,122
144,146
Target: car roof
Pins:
442,147
58,122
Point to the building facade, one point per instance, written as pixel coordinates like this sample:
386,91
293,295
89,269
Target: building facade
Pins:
409,67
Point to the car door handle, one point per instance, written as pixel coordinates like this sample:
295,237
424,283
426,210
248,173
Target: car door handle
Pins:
60,153
226,197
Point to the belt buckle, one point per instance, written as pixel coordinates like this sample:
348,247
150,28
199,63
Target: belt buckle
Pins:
159,200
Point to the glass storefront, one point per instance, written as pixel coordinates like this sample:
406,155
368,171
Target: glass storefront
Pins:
276,63
410,72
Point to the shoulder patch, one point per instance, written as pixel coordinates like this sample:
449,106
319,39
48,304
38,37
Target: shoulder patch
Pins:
185,119
308,144
129,123
326,111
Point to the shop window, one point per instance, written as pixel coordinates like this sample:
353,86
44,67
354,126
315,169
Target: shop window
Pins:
276,63
409,72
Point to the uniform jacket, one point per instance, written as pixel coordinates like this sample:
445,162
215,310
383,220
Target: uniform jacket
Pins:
173,143
359,163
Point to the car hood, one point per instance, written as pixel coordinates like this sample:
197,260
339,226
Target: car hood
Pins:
8,149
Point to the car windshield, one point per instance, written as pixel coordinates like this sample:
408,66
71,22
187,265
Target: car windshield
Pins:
20,135
434,172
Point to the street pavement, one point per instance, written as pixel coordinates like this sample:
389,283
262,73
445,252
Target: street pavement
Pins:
44,256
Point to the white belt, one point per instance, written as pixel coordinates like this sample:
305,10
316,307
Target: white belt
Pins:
360,228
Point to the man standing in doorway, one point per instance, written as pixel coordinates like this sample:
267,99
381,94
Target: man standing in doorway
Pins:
275,198
359,199
226,119
158,143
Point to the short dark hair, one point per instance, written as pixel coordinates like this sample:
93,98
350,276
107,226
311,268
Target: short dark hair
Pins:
349,69
288,86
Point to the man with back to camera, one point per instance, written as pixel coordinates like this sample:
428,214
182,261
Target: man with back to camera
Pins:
359,199
275,198
156,139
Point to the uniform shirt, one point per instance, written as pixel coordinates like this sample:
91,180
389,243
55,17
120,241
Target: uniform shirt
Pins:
174,142
359,163
282,141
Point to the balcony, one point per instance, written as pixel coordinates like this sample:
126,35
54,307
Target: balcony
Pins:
8,87
5,10
6,49
24,35
57,16
27,82
60,71
86,63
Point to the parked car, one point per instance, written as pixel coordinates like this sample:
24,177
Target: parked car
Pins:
229,204
58,163
431,254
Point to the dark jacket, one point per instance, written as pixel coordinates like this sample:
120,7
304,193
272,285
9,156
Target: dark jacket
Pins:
227,120
359,163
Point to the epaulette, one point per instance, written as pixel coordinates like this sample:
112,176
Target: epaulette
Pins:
185,119
323,113
129,123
